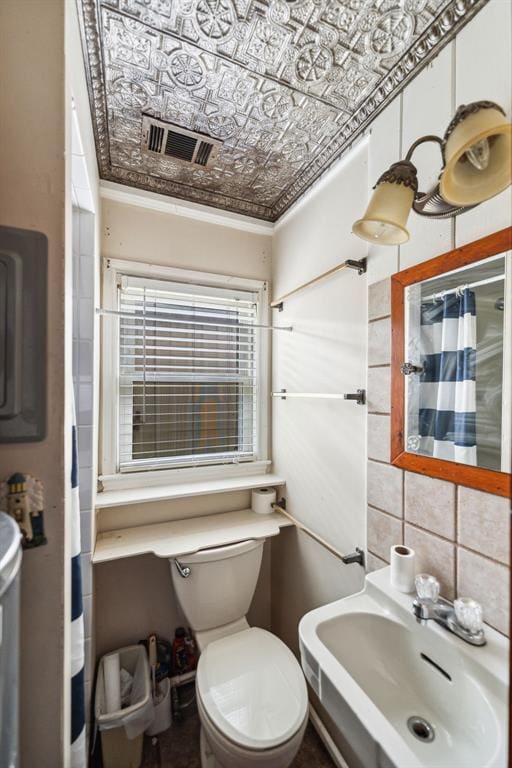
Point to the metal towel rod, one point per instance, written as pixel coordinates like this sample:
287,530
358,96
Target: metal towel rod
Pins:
360,266
353,557
359,396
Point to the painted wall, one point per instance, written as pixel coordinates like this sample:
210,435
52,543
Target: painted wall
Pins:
460,535
139,234
319,445
133,597
33,196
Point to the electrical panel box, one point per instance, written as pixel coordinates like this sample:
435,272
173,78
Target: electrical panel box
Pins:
23,304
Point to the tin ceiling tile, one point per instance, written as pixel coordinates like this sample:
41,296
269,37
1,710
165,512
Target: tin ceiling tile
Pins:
286,85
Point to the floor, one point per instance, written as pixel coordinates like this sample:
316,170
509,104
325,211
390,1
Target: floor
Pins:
179,747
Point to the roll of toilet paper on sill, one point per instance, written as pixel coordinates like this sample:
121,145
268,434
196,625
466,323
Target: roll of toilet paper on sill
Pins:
112,682
403,568
262,500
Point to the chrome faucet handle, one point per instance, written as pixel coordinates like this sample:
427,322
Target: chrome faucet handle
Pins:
427,588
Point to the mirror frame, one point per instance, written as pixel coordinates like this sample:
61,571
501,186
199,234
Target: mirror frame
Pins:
480,478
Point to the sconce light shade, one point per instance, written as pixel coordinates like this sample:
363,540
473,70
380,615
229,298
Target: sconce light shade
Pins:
477,153
385,219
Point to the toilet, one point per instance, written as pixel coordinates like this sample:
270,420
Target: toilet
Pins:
251,694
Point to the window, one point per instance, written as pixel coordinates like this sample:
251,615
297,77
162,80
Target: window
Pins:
189,372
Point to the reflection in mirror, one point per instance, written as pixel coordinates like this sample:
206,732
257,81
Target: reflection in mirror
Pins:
458,344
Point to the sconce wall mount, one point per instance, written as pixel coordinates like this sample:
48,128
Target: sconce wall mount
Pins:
476,153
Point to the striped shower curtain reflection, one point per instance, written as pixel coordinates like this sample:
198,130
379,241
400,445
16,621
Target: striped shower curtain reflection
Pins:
447,418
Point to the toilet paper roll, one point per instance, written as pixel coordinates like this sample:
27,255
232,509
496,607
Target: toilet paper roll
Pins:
112,682
262,500
403,570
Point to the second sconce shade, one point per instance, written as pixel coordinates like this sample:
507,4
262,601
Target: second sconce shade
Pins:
477,153
477,164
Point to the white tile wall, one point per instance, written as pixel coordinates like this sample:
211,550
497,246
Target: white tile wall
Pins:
83,362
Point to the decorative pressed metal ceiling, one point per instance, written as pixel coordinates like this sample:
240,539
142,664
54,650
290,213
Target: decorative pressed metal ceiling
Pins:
286,85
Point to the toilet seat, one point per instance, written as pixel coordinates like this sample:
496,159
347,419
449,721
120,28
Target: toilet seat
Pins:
252,689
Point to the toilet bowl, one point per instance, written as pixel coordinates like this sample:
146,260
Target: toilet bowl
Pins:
251,693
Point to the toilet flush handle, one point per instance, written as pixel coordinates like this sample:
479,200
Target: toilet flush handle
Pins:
183,570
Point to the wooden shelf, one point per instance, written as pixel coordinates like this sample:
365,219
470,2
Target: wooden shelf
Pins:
182,490
181,537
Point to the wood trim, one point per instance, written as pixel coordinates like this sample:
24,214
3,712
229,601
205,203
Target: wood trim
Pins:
473,477
487,246
397,379
499,483
510,659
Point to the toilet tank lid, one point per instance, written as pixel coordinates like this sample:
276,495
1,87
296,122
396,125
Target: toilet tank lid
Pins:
213,554
252,689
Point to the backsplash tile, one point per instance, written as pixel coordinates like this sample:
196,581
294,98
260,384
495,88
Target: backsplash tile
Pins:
385,487
383,532
430,503
374,563
378,396
488,583
484,522
379,342
379,299
435,556
460,535
378,437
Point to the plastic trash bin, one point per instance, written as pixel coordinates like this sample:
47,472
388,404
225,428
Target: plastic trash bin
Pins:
122,731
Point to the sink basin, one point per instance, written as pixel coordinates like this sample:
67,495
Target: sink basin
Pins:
403,694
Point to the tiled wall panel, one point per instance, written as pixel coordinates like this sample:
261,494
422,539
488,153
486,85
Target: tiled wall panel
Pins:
83,366
460,535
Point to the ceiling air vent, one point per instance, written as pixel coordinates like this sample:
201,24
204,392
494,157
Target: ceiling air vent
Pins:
172,141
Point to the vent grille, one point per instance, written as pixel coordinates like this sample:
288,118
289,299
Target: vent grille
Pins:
179,143
156,136
180,146
203,153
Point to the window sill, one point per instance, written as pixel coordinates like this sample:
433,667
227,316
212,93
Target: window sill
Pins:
181,537
122,497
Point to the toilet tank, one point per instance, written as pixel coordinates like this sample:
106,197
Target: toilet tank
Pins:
221,583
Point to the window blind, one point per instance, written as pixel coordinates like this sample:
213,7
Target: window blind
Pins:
187,375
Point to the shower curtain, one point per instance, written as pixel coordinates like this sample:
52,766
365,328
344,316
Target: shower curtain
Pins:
78,740
447,417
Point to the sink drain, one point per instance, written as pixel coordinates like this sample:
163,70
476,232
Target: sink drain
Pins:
421,728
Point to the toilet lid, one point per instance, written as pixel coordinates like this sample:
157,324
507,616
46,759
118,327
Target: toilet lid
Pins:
252,689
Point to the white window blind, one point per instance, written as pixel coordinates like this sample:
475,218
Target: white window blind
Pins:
188,374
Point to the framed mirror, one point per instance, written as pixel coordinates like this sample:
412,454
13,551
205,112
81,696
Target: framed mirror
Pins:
451,375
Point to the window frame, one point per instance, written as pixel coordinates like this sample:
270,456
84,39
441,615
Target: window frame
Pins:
110,475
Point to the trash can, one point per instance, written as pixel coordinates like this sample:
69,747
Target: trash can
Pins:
122,730
162,704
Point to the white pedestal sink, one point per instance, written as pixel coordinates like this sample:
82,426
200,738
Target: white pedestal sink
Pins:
374,668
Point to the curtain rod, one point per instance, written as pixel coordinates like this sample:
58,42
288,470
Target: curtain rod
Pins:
360,266
487,281
143,315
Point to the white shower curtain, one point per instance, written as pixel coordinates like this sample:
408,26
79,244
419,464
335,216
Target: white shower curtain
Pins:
448,382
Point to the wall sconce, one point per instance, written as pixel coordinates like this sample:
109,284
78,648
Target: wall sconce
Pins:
476,152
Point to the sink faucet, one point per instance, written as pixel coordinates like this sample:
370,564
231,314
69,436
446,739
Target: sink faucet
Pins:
463,617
